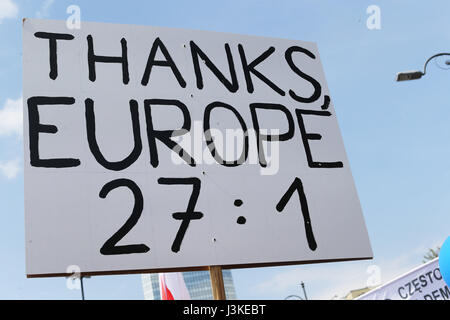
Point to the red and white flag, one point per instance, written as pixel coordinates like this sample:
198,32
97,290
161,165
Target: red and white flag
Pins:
172,286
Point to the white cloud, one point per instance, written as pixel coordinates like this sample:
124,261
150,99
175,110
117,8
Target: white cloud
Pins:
11,117
8,9
45,8
10,168
11,120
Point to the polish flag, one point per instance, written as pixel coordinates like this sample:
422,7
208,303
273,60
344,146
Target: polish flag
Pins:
172,286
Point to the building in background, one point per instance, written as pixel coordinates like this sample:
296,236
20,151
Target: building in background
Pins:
197,282
356,293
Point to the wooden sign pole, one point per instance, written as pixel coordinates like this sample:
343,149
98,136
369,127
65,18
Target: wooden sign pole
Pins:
218,288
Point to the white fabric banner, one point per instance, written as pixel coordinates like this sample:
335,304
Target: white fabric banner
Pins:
422,283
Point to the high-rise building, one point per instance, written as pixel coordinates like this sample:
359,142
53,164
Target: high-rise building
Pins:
197,282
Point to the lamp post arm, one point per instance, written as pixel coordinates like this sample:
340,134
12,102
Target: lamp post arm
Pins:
293,296
431,58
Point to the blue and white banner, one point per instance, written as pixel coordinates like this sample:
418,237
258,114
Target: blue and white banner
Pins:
422,283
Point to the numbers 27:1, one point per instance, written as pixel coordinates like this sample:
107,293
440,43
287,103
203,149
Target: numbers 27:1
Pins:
110,247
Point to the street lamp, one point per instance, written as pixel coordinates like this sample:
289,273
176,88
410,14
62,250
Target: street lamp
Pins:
414,75
82,286
304,291
293,296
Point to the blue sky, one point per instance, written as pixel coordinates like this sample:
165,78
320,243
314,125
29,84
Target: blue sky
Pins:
396,134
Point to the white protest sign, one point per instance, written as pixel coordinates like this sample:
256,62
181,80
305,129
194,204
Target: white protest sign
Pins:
156,149
422,283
